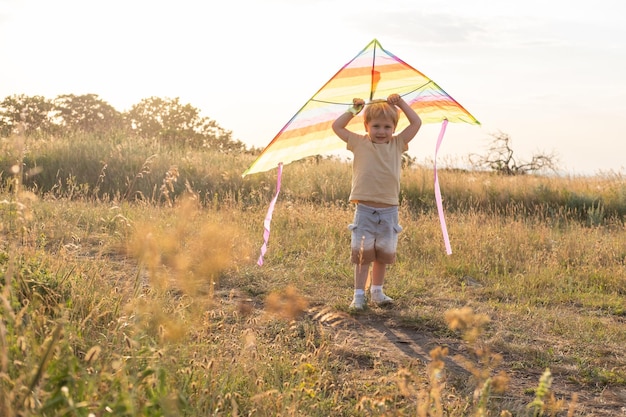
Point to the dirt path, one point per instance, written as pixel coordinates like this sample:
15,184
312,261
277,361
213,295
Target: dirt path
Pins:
376,331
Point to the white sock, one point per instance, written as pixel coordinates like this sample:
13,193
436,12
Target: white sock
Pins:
376,287
359,292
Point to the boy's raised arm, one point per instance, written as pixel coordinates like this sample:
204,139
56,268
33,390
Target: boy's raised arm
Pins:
339,125
415,122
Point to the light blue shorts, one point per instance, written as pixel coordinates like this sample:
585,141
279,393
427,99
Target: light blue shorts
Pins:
374,234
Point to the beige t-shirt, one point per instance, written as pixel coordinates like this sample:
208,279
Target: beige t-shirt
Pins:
376,169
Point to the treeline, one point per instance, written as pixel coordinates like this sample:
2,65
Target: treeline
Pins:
165,120
80,147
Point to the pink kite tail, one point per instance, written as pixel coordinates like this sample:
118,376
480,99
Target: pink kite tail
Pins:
268,216
442,219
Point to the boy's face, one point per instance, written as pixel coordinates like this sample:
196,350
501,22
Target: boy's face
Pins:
380,129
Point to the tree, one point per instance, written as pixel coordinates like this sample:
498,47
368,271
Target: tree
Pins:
171,122
217,138
500,159
29,114
86,113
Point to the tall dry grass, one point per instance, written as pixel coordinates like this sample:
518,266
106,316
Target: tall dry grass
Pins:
155,305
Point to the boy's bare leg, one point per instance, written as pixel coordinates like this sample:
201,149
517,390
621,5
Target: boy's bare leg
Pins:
360,276
378,273
378,278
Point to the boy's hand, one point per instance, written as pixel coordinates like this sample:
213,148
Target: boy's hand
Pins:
394,99
358,102
357,106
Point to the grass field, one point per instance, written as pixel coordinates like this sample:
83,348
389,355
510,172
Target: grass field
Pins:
130,288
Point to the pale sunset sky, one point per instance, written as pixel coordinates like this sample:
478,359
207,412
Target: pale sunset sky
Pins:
550,74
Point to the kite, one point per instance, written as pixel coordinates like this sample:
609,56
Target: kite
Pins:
372,75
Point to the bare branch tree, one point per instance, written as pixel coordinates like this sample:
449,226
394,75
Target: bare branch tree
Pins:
500,159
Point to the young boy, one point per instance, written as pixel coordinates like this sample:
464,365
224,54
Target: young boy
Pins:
375,189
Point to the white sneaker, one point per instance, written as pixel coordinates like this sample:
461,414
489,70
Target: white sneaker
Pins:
379,297
358,302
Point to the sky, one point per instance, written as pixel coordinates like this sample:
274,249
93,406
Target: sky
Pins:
549,74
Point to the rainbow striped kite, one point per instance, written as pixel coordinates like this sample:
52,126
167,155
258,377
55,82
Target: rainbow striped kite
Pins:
373,74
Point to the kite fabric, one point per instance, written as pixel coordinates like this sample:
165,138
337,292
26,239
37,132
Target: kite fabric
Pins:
373,74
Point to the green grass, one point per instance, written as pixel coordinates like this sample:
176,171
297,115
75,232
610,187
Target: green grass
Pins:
116,303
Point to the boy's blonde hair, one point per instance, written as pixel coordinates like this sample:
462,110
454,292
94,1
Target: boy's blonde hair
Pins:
383,109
